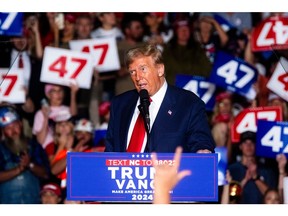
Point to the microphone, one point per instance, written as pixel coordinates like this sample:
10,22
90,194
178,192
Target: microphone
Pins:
144,104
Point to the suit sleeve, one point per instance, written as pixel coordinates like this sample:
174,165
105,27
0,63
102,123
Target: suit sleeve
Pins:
199,132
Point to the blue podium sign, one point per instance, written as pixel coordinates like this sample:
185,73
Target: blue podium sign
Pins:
128,177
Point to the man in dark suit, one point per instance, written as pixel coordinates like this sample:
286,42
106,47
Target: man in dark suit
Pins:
177,116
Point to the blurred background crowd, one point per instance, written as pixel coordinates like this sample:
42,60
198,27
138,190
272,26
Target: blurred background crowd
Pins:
56,119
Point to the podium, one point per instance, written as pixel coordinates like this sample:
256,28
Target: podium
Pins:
128,177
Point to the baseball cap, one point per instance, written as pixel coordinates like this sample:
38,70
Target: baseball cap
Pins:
63,115
53,187
7,116
223,95
84,125
104,108
248,135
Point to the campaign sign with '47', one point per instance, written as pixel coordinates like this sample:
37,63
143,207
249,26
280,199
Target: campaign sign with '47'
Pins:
12,85
62,66
128,177
272,138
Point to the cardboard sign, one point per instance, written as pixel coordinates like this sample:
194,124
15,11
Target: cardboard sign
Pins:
62,66
12,85
272,138
11,24
247,120
270,34
233,74
278,82
128,177
103,50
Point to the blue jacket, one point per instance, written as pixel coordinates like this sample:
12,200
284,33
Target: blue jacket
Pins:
181,121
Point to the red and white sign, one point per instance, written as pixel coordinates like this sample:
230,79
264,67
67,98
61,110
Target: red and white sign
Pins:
278,82
103,50
12,86
247,120
62,66
271,33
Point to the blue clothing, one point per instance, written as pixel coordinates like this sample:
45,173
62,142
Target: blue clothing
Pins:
181,121
24,188
250,193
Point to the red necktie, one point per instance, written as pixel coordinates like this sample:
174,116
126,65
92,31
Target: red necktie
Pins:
138,135
20,63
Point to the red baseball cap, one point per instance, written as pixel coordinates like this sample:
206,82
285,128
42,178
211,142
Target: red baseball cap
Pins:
53,187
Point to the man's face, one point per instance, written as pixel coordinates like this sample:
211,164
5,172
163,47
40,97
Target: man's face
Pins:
83,28
136,31
49,197
145,74
13,130
248,148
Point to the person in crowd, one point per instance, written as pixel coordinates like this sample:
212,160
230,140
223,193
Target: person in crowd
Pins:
104,113
68,31
51,193
133,29
210,35
23,162
255,178
222,118
55,95
87,99
156,31
184,55
24,52
108,27
275,100
167,177
63,127
221,121
83,132
80,141
282,172
240,21
178,117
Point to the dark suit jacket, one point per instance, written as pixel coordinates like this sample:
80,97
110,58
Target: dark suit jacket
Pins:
181,121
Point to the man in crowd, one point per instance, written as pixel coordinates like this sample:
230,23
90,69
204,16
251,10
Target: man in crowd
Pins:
23,162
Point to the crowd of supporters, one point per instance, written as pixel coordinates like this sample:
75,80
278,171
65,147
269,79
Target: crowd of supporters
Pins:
64,118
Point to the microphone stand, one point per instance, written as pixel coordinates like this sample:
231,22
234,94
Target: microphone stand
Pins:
147,127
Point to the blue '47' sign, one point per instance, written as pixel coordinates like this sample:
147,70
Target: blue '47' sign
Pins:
233,74
272,138
11,24
199,86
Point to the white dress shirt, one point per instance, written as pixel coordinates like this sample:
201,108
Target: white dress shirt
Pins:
153,111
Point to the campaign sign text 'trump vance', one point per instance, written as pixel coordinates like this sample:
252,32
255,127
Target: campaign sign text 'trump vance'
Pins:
128,177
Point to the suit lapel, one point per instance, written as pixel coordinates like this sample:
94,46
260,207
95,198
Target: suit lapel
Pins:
167,109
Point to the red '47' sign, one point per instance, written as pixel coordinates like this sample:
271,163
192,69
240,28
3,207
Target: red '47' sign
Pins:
272,33
62,66
247,120
12,85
